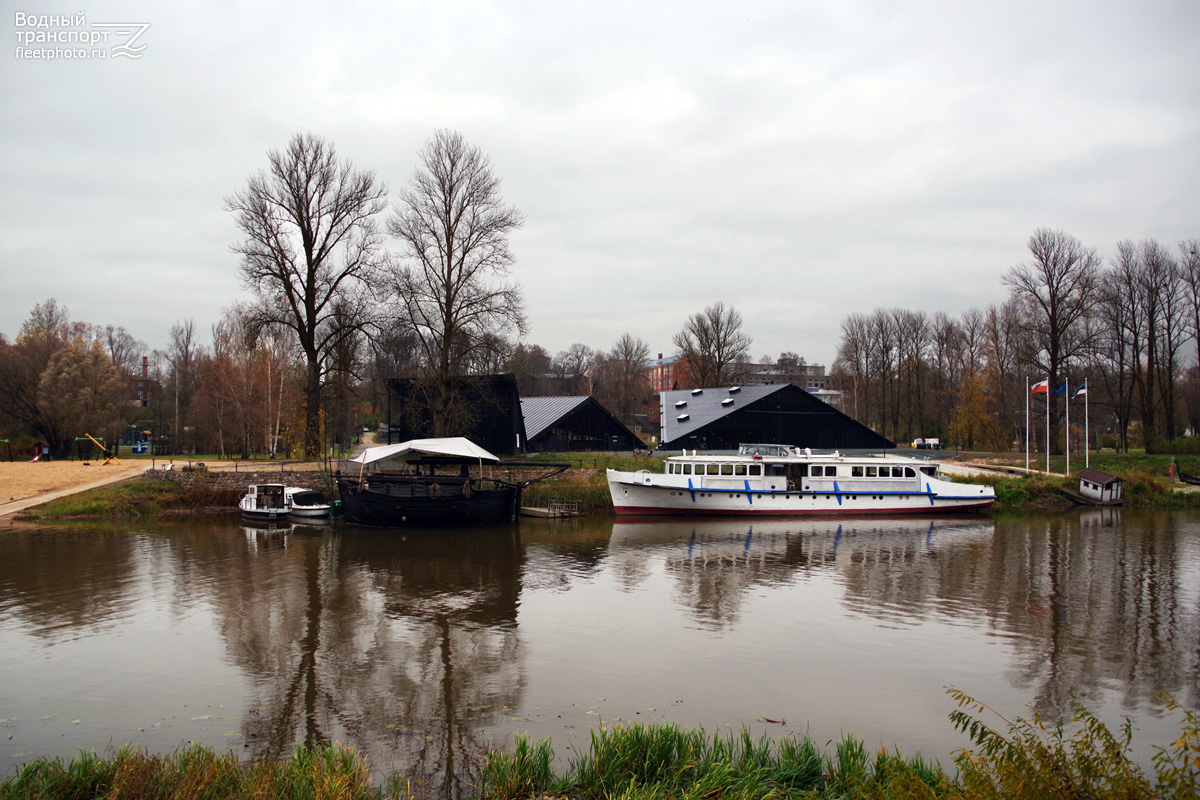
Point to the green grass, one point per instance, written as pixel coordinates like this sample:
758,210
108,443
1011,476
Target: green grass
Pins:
1146,480
135,498
585,483
1077,759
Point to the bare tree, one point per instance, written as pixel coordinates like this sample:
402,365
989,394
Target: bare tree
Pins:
1189,264
854,363
1057,288
123,349
623,385
573,367
711,343
1002,333
530,364
452,287
310,250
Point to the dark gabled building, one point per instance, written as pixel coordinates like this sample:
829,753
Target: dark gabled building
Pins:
493,410
561,424
723,418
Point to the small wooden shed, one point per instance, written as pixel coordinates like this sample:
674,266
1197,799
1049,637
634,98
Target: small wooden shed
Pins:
1099,486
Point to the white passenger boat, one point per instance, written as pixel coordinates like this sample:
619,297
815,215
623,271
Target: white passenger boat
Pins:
782,480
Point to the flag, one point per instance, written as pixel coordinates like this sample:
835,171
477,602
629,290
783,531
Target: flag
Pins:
1060,389
1040,388
1081,390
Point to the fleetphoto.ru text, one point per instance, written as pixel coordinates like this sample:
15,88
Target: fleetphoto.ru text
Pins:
50,37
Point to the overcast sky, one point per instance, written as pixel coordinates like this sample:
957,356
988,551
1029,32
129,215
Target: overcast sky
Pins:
801,161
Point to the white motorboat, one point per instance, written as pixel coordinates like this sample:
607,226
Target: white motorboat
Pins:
782,480
306,504
266,502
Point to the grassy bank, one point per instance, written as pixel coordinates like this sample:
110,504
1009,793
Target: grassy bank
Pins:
1018,759
585,483
1147,483
134,498
1146,486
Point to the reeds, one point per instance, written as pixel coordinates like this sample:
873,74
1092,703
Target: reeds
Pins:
666,762
1039,759
1024,759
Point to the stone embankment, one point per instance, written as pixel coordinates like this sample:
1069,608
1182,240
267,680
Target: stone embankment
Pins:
197,478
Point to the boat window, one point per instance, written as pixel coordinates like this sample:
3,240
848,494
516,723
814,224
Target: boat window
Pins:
714,469
739,469
687,469
856,472
908,472
929,470
756,469
727,469
872,472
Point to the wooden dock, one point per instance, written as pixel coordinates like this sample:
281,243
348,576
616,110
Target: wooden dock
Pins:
557,509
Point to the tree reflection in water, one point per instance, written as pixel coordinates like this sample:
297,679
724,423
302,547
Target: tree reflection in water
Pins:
401,645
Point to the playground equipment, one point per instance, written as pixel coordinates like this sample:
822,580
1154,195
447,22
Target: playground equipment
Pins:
99,443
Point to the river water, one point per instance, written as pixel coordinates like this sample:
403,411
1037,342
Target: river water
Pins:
423,649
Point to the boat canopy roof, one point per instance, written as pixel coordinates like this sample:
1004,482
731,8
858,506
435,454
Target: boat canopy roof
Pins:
456,446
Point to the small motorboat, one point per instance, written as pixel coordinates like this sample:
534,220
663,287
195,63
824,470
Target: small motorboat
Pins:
265,502
307,504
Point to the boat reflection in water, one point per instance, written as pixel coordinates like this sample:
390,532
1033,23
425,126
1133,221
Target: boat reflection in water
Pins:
719,562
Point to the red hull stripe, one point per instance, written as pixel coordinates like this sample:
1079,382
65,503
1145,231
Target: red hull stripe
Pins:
829,512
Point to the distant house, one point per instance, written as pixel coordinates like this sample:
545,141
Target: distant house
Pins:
560,424
646,429
722,418
663,373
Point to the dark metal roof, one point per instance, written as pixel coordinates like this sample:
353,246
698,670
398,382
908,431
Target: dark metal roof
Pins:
723,417
541,413
686,411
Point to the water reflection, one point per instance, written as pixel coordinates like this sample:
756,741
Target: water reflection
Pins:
887,566
423,649
401,645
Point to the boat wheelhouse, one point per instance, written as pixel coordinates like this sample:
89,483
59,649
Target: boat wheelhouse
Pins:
265,502
783,480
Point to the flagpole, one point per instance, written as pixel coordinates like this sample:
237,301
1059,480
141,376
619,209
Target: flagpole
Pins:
1067,431
1048,382
1087,462
1027,423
